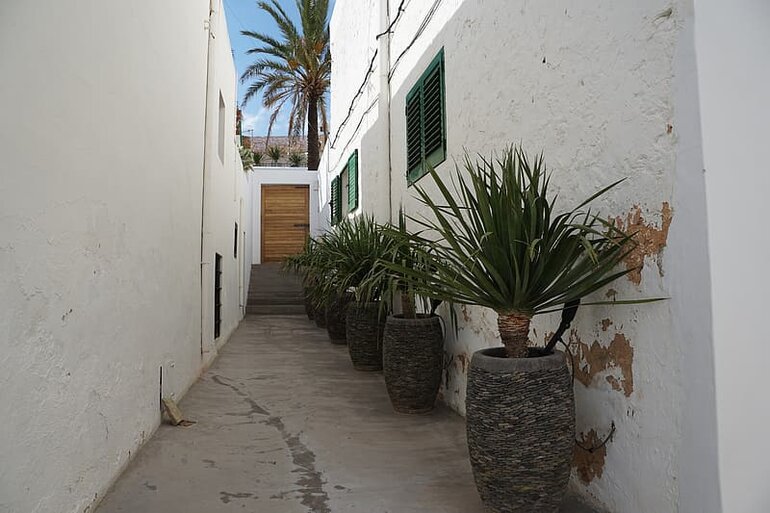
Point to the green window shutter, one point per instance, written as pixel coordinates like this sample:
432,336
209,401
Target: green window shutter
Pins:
426,121
334,201
338,201
413,134
353,182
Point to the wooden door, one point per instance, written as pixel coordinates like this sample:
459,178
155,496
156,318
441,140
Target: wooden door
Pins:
285,220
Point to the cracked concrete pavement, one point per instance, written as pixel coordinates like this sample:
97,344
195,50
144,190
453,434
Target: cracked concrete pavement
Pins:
285,425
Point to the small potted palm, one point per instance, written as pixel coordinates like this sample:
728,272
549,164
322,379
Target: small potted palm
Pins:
499,242
413,342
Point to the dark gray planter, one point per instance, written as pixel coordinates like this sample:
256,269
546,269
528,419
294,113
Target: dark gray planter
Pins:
309,309
336,312
413,358
319,316
521,430
364,329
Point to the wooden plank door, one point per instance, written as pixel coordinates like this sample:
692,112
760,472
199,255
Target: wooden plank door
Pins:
285,220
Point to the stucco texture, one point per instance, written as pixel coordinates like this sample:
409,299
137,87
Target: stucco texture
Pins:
592,86
100,236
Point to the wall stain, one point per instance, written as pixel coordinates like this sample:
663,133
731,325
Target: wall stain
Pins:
589,464
649,239
596,359
464,361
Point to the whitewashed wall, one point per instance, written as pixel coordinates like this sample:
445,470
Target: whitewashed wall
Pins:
227,197
607,90
283,176
733,49
358,114
100,235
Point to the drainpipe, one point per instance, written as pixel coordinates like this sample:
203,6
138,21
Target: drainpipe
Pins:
384,104
205,264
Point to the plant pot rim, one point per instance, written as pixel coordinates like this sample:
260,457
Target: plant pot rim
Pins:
494,359
421,318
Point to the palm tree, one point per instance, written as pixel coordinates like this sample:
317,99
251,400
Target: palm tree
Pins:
294,69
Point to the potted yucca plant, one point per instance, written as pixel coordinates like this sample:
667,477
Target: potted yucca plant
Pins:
499,242
413,342
302,264
357,247
330,289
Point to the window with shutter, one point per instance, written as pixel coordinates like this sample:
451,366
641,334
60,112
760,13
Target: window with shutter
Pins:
335,201
353,182
426,121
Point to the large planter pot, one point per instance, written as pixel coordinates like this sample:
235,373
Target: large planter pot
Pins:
413,358
364,329
309,309
319,316
336,312
521,430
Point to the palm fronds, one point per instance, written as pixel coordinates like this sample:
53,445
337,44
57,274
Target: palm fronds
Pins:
293,70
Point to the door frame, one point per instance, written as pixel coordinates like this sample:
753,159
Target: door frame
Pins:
264,186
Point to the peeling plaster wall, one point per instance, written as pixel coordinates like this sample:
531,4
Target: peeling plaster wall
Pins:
102,139
602,89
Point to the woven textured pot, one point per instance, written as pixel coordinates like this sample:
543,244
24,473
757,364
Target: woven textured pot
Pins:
413,358
364,329
309,310
521,430
319,316
336,312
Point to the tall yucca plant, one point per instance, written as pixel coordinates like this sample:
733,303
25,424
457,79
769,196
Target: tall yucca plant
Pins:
498,242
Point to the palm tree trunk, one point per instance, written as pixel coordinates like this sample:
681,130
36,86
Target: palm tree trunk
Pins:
514,332
312,133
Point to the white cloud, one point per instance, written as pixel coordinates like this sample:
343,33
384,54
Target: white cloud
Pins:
253,121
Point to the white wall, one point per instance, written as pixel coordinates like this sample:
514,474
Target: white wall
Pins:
284,176
733,49
226,186
100,236
356,112
606,90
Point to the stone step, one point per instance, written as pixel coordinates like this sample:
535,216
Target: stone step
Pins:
268,309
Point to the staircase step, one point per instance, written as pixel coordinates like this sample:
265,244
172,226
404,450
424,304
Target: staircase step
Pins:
268,309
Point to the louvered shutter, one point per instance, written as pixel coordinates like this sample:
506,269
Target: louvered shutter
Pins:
334,201
426,121
414,133
353,182
433,115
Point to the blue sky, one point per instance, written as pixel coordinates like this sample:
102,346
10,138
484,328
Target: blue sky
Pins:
245,15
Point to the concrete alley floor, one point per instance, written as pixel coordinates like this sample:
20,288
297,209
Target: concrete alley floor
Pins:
285,425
